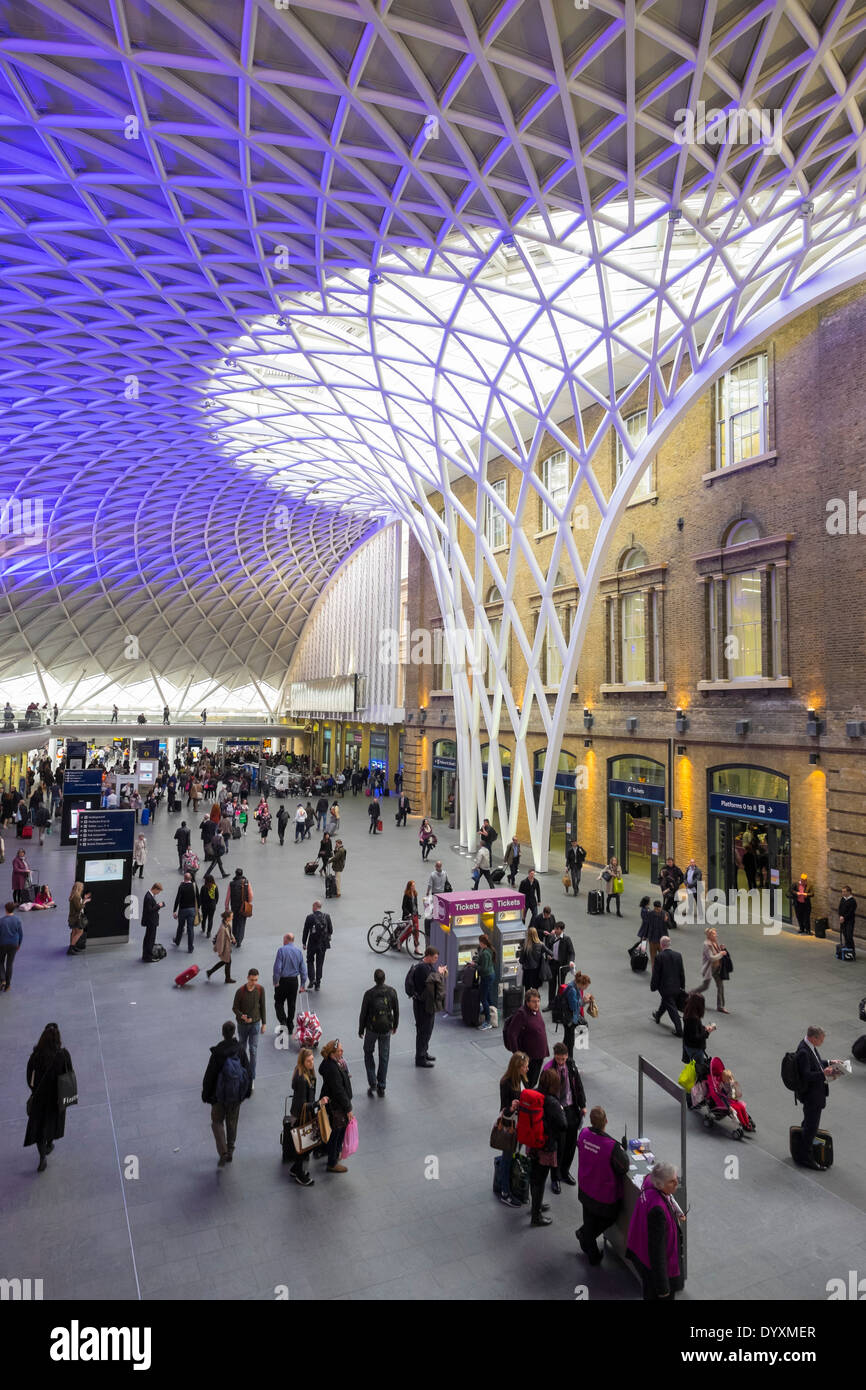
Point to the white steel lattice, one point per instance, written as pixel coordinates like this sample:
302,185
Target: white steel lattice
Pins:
350,252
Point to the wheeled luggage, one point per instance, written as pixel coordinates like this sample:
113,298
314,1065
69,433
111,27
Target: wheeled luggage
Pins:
330,885
858,1049
236,832
309,1029
819,926
512,1000
311,867
595,902
638,957
497,875
145,816
470,997
822,1146
158,952
844,952
185,976
379,826
27,832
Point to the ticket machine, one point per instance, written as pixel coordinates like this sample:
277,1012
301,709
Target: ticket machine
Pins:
458,921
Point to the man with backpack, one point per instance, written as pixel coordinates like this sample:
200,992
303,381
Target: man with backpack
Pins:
227,1083
525,1032
316,940
377,1024
181,836
425,986
239,901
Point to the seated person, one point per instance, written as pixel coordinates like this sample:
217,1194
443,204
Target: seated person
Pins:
42,898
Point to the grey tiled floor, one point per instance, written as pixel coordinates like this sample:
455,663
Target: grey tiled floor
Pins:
186,1230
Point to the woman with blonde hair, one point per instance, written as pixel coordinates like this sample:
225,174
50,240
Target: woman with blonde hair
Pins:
303,1094
78,900
530,958
338,1084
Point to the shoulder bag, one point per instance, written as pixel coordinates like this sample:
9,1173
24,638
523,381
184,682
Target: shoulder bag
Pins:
503,1135
67,1089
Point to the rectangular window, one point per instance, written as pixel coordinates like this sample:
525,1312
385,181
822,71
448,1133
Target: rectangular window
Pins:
495,526
776,633
441,664
634,638
636,428
712,631
492,659
554,476
742,414
444,538
743,638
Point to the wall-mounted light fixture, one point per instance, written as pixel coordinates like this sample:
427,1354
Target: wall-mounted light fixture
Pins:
587,718
631,725
682,722
422,716
681,748
814,725
814,758
743,726
587,743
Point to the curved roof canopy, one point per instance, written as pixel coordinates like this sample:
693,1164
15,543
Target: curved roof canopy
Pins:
273,271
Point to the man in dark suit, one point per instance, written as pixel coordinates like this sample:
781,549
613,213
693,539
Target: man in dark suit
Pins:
488,837
812,1092
403,809
574,860
561,948
531,890
669,979
150,921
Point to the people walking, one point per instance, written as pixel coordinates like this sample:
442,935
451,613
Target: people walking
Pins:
669,980
377,1023
525,1032
712,960
249,1010
11,938
409,914
223,943
208,897
426,839
602,1164
325,853
321,812
227,1083
337,1085
671,877
531,890
425,984
611,876
290,972
217,850
575,856
695,1031
303,1098
282,822
46,1114
263,818
512,859
481,867
184,911
693,878
572,1098
544,1159
373,812
438,880
338,864
801,897
78,901
847,918
560,949
404,809
485,964
182,838
139,855
239,901
655,927
300,823
316,940
655,1240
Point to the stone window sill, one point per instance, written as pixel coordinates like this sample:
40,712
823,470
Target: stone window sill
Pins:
779,683
645,688
649,497
770,458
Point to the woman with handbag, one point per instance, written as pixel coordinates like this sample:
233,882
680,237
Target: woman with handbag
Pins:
46,1114
303,1097
223,942
510,1086
20,875
530,957
547,1157
337,1082
611,876
712,960
78,899
695,1032
207,900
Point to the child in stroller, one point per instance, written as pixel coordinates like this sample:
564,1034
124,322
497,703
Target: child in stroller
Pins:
723,1100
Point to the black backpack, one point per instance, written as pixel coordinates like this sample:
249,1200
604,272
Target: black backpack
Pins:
790,1072
559,1014
381,1014
409,983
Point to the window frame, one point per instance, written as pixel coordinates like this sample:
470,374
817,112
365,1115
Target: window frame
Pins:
547,521
645,490
493,518
724,417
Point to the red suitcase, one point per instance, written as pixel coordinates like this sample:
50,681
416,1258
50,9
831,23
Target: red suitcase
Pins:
185,976
379,826
27,832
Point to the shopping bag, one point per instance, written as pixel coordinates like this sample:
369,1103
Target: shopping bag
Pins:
350,1139
324,1122
616,885
566,880
305,1135
67,1090
688,1076
379,826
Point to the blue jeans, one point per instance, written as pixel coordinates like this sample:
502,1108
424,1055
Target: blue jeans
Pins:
487,986
248,1036
185,918
299,830
374,1077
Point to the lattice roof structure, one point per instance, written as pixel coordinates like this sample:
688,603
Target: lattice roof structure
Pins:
346,253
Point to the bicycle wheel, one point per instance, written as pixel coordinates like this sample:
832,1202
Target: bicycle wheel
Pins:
417,947
379,938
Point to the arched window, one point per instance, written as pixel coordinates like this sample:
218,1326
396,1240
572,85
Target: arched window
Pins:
741,532
635,659
744,633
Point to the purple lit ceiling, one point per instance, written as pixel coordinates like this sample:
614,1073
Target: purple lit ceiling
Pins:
274,271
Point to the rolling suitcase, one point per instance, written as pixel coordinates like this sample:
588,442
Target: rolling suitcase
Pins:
819,926
638,957
311,867
158,952
470,997
330,886
858,1049
185,976
27,832
595,903
844,952
512,999
822,1146
145,816
497,875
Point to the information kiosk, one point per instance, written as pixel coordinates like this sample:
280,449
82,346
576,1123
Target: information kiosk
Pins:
82,791
104,866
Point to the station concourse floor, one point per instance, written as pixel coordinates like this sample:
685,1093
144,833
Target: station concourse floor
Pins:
183,1229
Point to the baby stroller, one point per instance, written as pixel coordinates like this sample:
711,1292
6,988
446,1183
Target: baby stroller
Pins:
309,1029
720,1107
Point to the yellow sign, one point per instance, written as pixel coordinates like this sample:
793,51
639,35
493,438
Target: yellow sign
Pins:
465,919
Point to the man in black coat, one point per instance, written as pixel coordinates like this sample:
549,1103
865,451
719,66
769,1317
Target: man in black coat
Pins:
403,809
574,1109
488,837
657,924
224,1112
561,948
812,1092
150,921
316,940
378,1022
181,836
531,890
670,878
669,979
575,856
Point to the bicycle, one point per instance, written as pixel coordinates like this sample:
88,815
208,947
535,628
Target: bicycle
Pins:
389,935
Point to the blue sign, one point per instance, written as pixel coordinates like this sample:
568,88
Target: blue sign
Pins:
231,742
82,781
749,808
193,743
565,781
636,791
106,832
506,771
445,764
148,748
